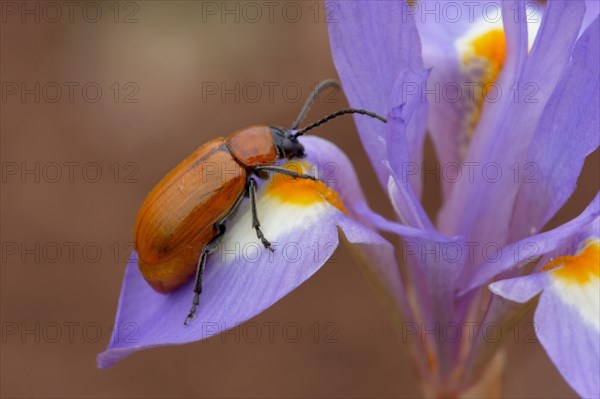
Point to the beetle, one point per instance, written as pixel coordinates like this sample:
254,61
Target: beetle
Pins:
182,218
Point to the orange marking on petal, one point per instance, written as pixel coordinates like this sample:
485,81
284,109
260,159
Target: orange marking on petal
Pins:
488,51
580,268
492,46
302,191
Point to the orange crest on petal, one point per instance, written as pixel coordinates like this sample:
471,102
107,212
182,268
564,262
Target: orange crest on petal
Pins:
580,268
304,192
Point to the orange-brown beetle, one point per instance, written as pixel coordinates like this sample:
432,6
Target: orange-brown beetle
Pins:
183,216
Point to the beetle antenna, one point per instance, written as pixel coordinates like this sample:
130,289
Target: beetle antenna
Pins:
335,115
309,102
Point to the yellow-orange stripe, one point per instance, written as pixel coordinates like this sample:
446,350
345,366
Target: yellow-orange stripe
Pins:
302,191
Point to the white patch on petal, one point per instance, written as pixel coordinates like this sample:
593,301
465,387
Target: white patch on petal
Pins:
277,219
534,20
285,208
484,24
476,29
585,299
576,280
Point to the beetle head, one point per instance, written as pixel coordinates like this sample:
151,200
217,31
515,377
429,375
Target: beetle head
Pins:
287,146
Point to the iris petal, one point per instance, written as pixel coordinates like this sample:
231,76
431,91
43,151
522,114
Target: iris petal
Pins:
242,278
407,115
521,252
452,89
457,212
367,63
567,133
592,9
567,318
509,133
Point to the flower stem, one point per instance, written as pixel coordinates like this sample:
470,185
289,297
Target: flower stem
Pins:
488,384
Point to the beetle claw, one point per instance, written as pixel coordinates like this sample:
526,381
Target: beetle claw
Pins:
267,244
190,316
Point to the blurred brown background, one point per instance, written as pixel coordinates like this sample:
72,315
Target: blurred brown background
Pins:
65,235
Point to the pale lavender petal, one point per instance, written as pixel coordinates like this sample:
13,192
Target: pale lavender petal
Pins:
242,278
592,9
517,254
567,133
372,42
380,223
572,344
520,289
566,323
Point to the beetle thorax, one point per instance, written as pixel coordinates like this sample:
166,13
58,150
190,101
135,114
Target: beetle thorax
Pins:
253,146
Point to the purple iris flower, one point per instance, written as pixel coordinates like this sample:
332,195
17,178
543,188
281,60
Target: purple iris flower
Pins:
444,75
512,107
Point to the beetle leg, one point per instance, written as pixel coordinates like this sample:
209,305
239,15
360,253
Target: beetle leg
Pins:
210,247
285,171
207,250
255,222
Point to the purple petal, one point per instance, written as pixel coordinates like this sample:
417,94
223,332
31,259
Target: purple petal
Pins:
408,113
592,9
518,253
567,133
450,103
405,143
572,344
372,42
571,341
509,132
337,172
438,281
380,265
335,169
434,267
567,318
453,216
437,21
520,289
242,278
